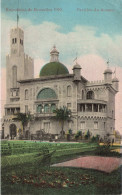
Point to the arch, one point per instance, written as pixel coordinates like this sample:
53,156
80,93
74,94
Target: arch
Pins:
46,108
47,93
14,76
39,108
90,95
26,94
53,107
13,130
69,91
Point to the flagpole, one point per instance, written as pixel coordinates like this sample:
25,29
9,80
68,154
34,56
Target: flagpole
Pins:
17,14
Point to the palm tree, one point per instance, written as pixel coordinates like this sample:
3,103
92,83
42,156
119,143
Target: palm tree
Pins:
62,114
24,118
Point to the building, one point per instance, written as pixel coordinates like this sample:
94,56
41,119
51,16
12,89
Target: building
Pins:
92,103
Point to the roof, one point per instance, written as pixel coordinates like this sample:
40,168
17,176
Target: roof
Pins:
115,79
108,70
53,68
76,66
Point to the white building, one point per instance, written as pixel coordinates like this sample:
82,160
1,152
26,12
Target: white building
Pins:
92,103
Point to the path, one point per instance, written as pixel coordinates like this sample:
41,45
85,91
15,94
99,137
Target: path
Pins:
106,164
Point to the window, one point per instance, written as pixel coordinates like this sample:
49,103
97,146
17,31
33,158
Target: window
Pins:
53,107
26,108
82,124
47,93
15,40
69,105
82,94
69,91
47,127
82,107
14,76
26,94
46,108
104,125
95,125
39,108
90,95
12,41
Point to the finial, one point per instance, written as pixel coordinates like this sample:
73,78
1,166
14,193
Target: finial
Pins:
75,60
108,63
54,46
114,72
17,14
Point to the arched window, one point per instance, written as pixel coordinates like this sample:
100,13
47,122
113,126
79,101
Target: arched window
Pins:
39,108
90,95
26,94
69,91
14,76
47,93
46,108
53,107
82,94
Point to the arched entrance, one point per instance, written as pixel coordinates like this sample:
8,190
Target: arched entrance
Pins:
13,131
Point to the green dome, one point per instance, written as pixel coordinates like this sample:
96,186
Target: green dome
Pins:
53,68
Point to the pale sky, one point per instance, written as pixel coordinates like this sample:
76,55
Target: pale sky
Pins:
93,30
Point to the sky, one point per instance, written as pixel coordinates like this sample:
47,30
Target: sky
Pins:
88,29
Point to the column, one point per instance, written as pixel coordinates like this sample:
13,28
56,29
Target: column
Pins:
85,107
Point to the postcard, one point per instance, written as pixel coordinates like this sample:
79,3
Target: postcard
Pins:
61,91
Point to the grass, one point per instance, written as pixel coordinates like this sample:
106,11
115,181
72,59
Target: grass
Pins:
51,181
23,175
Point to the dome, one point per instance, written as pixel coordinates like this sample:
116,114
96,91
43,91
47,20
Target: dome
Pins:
53,68
54,50
115,79
108,70
76,66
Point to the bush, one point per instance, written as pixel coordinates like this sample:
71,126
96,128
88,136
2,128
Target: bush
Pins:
105,150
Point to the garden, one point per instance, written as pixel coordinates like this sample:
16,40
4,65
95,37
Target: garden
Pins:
27,169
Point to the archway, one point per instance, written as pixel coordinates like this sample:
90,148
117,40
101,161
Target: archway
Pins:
13,131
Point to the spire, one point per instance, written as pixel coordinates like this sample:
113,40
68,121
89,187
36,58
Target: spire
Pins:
54,55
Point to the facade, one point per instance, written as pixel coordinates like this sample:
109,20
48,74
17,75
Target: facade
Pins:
92,104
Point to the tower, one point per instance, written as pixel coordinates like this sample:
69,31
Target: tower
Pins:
19,66
108,75
77,72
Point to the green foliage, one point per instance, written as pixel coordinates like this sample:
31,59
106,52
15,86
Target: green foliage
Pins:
105,150
24,118
62,114
95,138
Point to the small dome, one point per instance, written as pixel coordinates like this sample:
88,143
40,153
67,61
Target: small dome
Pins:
54,50
76,66
108,70
115,79
53,68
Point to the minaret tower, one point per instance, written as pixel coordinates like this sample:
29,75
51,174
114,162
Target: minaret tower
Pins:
19,66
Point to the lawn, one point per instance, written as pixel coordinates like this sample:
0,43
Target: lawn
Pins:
25,174
51,181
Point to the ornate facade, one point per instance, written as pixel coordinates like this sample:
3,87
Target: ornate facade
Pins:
92,103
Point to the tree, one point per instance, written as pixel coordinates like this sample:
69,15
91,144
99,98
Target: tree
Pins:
62,114
24,118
